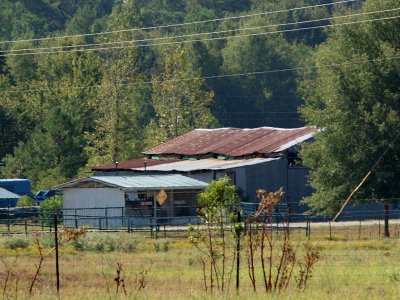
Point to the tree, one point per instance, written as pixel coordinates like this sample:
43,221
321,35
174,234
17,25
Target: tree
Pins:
52,155
179,100
217,206
357,106
123,106
259,99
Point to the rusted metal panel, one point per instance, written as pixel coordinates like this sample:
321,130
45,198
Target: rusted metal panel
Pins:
233,142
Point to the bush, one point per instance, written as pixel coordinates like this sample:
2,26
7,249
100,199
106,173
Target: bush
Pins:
16,243
25,201
78,245
47,240
50,206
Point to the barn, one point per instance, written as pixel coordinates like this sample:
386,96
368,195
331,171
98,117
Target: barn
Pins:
255,158
124,200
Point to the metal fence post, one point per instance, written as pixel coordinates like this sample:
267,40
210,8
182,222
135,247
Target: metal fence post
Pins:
56,246
238,255
379,228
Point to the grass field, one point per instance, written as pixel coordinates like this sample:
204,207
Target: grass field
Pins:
349,268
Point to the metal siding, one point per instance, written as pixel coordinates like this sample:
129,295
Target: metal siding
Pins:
240,179
270,176
203,176
89,199
298,188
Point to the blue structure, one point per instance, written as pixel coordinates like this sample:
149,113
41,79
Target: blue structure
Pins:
20,187
7,198
44,194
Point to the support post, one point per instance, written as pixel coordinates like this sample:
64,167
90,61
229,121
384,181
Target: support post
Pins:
238,255
386,213
56,246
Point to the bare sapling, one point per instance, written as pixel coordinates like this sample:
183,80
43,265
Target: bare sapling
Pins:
11,278
311,256
64,236
119,281
124,284
252,244
277,256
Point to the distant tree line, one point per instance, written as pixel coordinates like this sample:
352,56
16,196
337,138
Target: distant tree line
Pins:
71,107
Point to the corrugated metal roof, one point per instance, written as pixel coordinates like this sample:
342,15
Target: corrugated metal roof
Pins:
206,164
233,142
5,194
148,182
130,164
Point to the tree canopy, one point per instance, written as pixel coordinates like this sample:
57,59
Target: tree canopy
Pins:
355,100
93,98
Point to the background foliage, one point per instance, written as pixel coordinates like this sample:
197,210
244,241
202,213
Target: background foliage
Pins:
63,112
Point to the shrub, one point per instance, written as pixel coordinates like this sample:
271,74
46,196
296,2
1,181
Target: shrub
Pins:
47,240
25,201
99,247
50,206
16,243
156,246
165,246
78,245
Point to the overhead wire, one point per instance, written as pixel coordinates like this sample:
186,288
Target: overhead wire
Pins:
255,73
200,40
193,34
178,24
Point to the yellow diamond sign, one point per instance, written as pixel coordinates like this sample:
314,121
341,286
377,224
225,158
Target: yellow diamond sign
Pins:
161,197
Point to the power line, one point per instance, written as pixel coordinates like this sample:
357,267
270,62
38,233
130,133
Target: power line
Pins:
202,40
177,24
195,34
255,73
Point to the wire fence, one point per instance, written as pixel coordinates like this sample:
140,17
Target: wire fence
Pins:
359,262
356,224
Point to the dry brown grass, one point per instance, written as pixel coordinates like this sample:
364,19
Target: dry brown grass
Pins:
356,269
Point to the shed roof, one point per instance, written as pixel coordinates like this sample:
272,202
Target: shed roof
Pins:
5,194
141,182
205,164
234,142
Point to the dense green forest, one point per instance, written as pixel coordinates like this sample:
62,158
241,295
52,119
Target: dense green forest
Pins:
97,81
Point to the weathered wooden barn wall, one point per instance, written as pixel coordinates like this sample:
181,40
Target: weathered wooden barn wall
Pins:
82,205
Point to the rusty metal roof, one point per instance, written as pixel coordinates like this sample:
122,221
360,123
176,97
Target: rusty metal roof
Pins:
132,164
233,142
